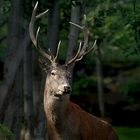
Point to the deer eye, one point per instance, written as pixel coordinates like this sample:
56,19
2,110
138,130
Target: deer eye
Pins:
53,72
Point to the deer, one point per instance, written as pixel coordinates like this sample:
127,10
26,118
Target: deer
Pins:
65,119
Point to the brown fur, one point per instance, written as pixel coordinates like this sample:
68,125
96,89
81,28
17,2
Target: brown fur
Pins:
66,120
76,124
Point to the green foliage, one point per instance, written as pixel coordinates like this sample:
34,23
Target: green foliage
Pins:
5,133
119,58
4,8
131,89
128,133
84,85
116,25
2,52
3,28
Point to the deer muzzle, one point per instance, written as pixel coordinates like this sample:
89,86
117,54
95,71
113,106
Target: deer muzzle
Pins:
64,89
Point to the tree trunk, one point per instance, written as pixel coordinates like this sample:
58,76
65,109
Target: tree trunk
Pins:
1,3
40,130
13,113
14,32
53,26
73,35
13,41
13,67
14,53
18,103
38,94
100,83
10,111
28,91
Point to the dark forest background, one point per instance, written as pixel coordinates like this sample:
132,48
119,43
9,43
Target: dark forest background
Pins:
106,83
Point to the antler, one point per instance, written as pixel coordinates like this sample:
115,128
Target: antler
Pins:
34,37
82,50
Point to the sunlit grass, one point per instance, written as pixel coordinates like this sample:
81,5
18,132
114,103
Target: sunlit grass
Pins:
128,133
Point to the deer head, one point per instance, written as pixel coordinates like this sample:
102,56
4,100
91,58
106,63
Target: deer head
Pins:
58,74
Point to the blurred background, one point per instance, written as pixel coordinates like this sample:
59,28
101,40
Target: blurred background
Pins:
105,83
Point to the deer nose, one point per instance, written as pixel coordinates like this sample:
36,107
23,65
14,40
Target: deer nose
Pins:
67,89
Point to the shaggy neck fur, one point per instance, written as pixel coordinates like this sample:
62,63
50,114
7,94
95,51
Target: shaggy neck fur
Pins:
55,108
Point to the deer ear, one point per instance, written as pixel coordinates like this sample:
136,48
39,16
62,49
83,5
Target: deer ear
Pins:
65,67
44,64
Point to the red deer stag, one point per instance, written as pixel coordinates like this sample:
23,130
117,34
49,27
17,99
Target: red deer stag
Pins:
66,120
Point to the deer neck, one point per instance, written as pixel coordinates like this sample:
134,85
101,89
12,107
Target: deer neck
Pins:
55,108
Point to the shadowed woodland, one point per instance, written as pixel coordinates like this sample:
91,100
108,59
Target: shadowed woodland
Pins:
104,83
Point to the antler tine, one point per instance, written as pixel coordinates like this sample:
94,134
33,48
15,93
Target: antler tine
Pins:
86,33
85,42
31,25
37,33
93,48
76,56
80,27
83,48
42,14
41,51
33,37
57,52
